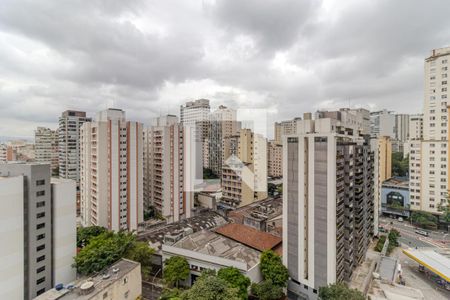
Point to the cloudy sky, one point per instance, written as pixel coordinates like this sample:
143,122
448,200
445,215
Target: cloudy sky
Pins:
148,57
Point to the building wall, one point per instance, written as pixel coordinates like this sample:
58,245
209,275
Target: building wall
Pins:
64,230
114,146
69,144
432,154
37,223
403,192
166,169
327,205
275,159
46,148
12,233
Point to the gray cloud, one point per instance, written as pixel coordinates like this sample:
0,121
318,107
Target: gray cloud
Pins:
148,57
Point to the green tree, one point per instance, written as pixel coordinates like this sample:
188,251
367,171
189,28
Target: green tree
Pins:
339,291
266,290
176,268
142,253
400,164
272,268
209,287
171,294
102,251
235,279
424,219
85,234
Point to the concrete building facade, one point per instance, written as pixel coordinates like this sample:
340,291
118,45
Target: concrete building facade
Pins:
223,125
42,214
284,128
274,159
382,123
328,204
429,157
69,144
166,168
111,171
46,148
196,114
244,171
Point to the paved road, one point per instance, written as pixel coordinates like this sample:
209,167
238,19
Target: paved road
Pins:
412,239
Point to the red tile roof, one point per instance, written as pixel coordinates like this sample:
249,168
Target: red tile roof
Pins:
249,236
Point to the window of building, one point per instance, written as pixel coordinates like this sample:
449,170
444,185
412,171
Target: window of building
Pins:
40,215
41,247
41,291
40,237
40,182
40,280
40,204
40,193
40,270
40,258
40,226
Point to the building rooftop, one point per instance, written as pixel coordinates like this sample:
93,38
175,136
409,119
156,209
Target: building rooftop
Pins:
398,182
436,262
249,236
261,210
170,233
88,288
211,243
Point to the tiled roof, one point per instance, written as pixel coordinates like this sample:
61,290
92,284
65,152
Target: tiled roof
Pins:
249,236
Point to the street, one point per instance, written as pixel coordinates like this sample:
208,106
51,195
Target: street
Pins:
409,238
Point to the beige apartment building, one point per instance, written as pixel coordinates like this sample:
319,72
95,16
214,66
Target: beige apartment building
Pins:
382,170
244,170
274,159
284,128
46,147
111,171
166,166
429,156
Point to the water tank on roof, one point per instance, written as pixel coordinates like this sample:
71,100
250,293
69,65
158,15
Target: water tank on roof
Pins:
86,288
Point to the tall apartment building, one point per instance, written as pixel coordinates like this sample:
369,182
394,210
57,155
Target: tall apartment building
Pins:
358,118
69,143
328,204
244,170
46,148
274,159
284,128
40,230
195,114
429,157
382,123
166,168
401,128
223,125
111,171
382,170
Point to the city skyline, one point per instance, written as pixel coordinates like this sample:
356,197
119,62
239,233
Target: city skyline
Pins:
292,57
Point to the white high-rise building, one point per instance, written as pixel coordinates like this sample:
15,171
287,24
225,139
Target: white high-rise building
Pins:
39,230
111,171
46,147
401,127
429,157
69,143
195,114
3,153
166,168
382,123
